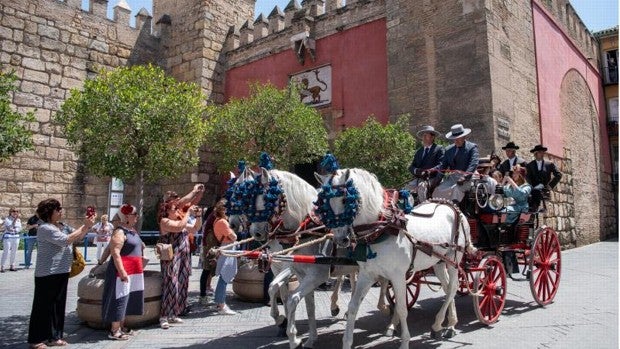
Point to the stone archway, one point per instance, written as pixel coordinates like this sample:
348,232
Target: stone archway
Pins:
580,132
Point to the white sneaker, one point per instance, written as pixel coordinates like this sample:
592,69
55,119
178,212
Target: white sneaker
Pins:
163,323
226,311
175,320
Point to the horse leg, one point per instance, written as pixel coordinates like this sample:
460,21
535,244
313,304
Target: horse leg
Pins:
441,274
364,283
451,275
399,287
381,305
334,298
452,317
312,330
279,283
307,284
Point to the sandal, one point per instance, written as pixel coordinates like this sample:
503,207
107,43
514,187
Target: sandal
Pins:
118,335
37,346
128,331
56,343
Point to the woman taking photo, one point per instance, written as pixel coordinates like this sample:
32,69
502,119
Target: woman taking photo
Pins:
51,275
517,188
226,266
174,230
123,293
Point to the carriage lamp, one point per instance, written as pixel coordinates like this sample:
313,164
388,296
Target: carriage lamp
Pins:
496,202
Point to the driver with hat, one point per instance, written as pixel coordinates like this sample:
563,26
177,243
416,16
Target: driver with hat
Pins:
462,156
426,159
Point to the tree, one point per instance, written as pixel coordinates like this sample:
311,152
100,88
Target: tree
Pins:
135,123
385,151
15,136
270,120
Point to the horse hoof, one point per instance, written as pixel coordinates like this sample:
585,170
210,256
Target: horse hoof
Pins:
437,334
389,332
449,333
335,311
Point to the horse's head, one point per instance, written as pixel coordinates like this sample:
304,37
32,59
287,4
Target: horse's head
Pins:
348,198
238,223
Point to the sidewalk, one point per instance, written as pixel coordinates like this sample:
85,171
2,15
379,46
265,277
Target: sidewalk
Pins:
584,314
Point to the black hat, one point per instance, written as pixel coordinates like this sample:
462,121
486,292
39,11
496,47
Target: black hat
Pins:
538,147
510,145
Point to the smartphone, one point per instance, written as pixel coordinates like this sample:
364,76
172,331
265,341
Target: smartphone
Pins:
90,211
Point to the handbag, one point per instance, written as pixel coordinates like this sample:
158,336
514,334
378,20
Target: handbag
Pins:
78,263
164,251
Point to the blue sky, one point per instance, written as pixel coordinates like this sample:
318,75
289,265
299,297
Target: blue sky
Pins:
596,14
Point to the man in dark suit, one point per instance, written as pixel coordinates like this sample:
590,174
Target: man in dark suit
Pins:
511,158
461,157
427,159
539,173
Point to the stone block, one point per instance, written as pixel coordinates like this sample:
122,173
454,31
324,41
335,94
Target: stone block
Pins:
28,100
48,32
33,187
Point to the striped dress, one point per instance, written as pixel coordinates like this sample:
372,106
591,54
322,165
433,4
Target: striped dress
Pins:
124,298
175,273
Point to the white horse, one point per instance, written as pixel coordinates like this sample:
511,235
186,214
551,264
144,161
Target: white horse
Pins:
288,214
354,203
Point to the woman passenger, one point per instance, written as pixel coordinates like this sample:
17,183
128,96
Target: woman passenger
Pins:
516,187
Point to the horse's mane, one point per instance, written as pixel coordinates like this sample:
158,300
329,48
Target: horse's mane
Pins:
299,194
370,191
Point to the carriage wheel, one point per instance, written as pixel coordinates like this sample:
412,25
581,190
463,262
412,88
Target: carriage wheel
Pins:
545,266
490,289
482,195
466,282
411,294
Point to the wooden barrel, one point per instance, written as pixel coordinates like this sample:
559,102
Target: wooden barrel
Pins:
248,283
90,293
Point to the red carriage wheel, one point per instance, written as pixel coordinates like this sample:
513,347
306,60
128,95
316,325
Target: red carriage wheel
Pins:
412,291
545,266
489,289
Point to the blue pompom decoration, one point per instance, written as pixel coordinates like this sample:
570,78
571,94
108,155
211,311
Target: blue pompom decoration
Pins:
404,202
241,166
329,163
265,161
350,199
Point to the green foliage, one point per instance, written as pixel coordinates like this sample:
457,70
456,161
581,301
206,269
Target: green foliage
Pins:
385,151
134,120
270,120
15,136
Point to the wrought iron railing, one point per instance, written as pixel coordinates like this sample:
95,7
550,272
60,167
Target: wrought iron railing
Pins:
610,75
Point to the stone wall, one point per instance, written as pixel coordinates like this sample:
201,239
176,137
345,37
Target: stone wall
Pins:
560,214
512,63
53,46
438,65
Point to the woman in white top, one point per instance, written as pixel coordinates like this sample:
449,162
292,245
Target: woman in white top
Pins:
10,239
103,229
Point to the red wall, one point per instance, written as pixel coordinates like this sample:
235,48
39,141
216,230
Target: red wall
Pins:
358,58
556,54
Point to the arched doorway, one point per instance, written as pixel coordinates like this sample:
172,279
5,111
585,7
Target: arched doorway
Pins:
580,132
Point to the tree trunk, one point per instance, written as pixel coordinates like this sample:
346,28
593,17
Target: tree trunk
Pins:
140,200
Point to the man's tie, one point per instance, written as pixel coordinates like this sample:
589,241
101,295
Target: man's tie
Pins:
425,152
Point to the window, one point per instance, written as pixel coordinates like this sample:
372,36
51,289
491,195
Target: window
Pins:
611,68
612,109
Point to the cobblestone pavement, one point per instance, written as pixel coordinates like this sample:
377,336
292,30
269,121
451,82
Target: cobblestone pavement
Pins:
584,315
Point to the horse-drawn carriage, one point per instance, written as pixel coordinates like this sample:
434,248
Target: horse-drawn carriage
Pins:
522,251
467,250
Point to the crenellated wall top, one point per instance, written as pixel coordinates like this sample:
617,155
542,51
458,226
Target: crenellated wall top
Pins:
311,20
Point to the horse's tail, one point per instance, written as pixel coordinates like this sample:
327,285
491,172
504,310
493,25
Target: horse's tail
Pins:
469,246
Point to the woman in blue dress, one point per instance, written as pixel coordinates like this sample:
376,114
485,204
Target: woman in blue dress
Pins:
516,187
123,292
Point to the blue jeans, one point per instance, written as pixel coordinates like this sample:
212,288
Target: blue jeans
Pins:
220,292
29,242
